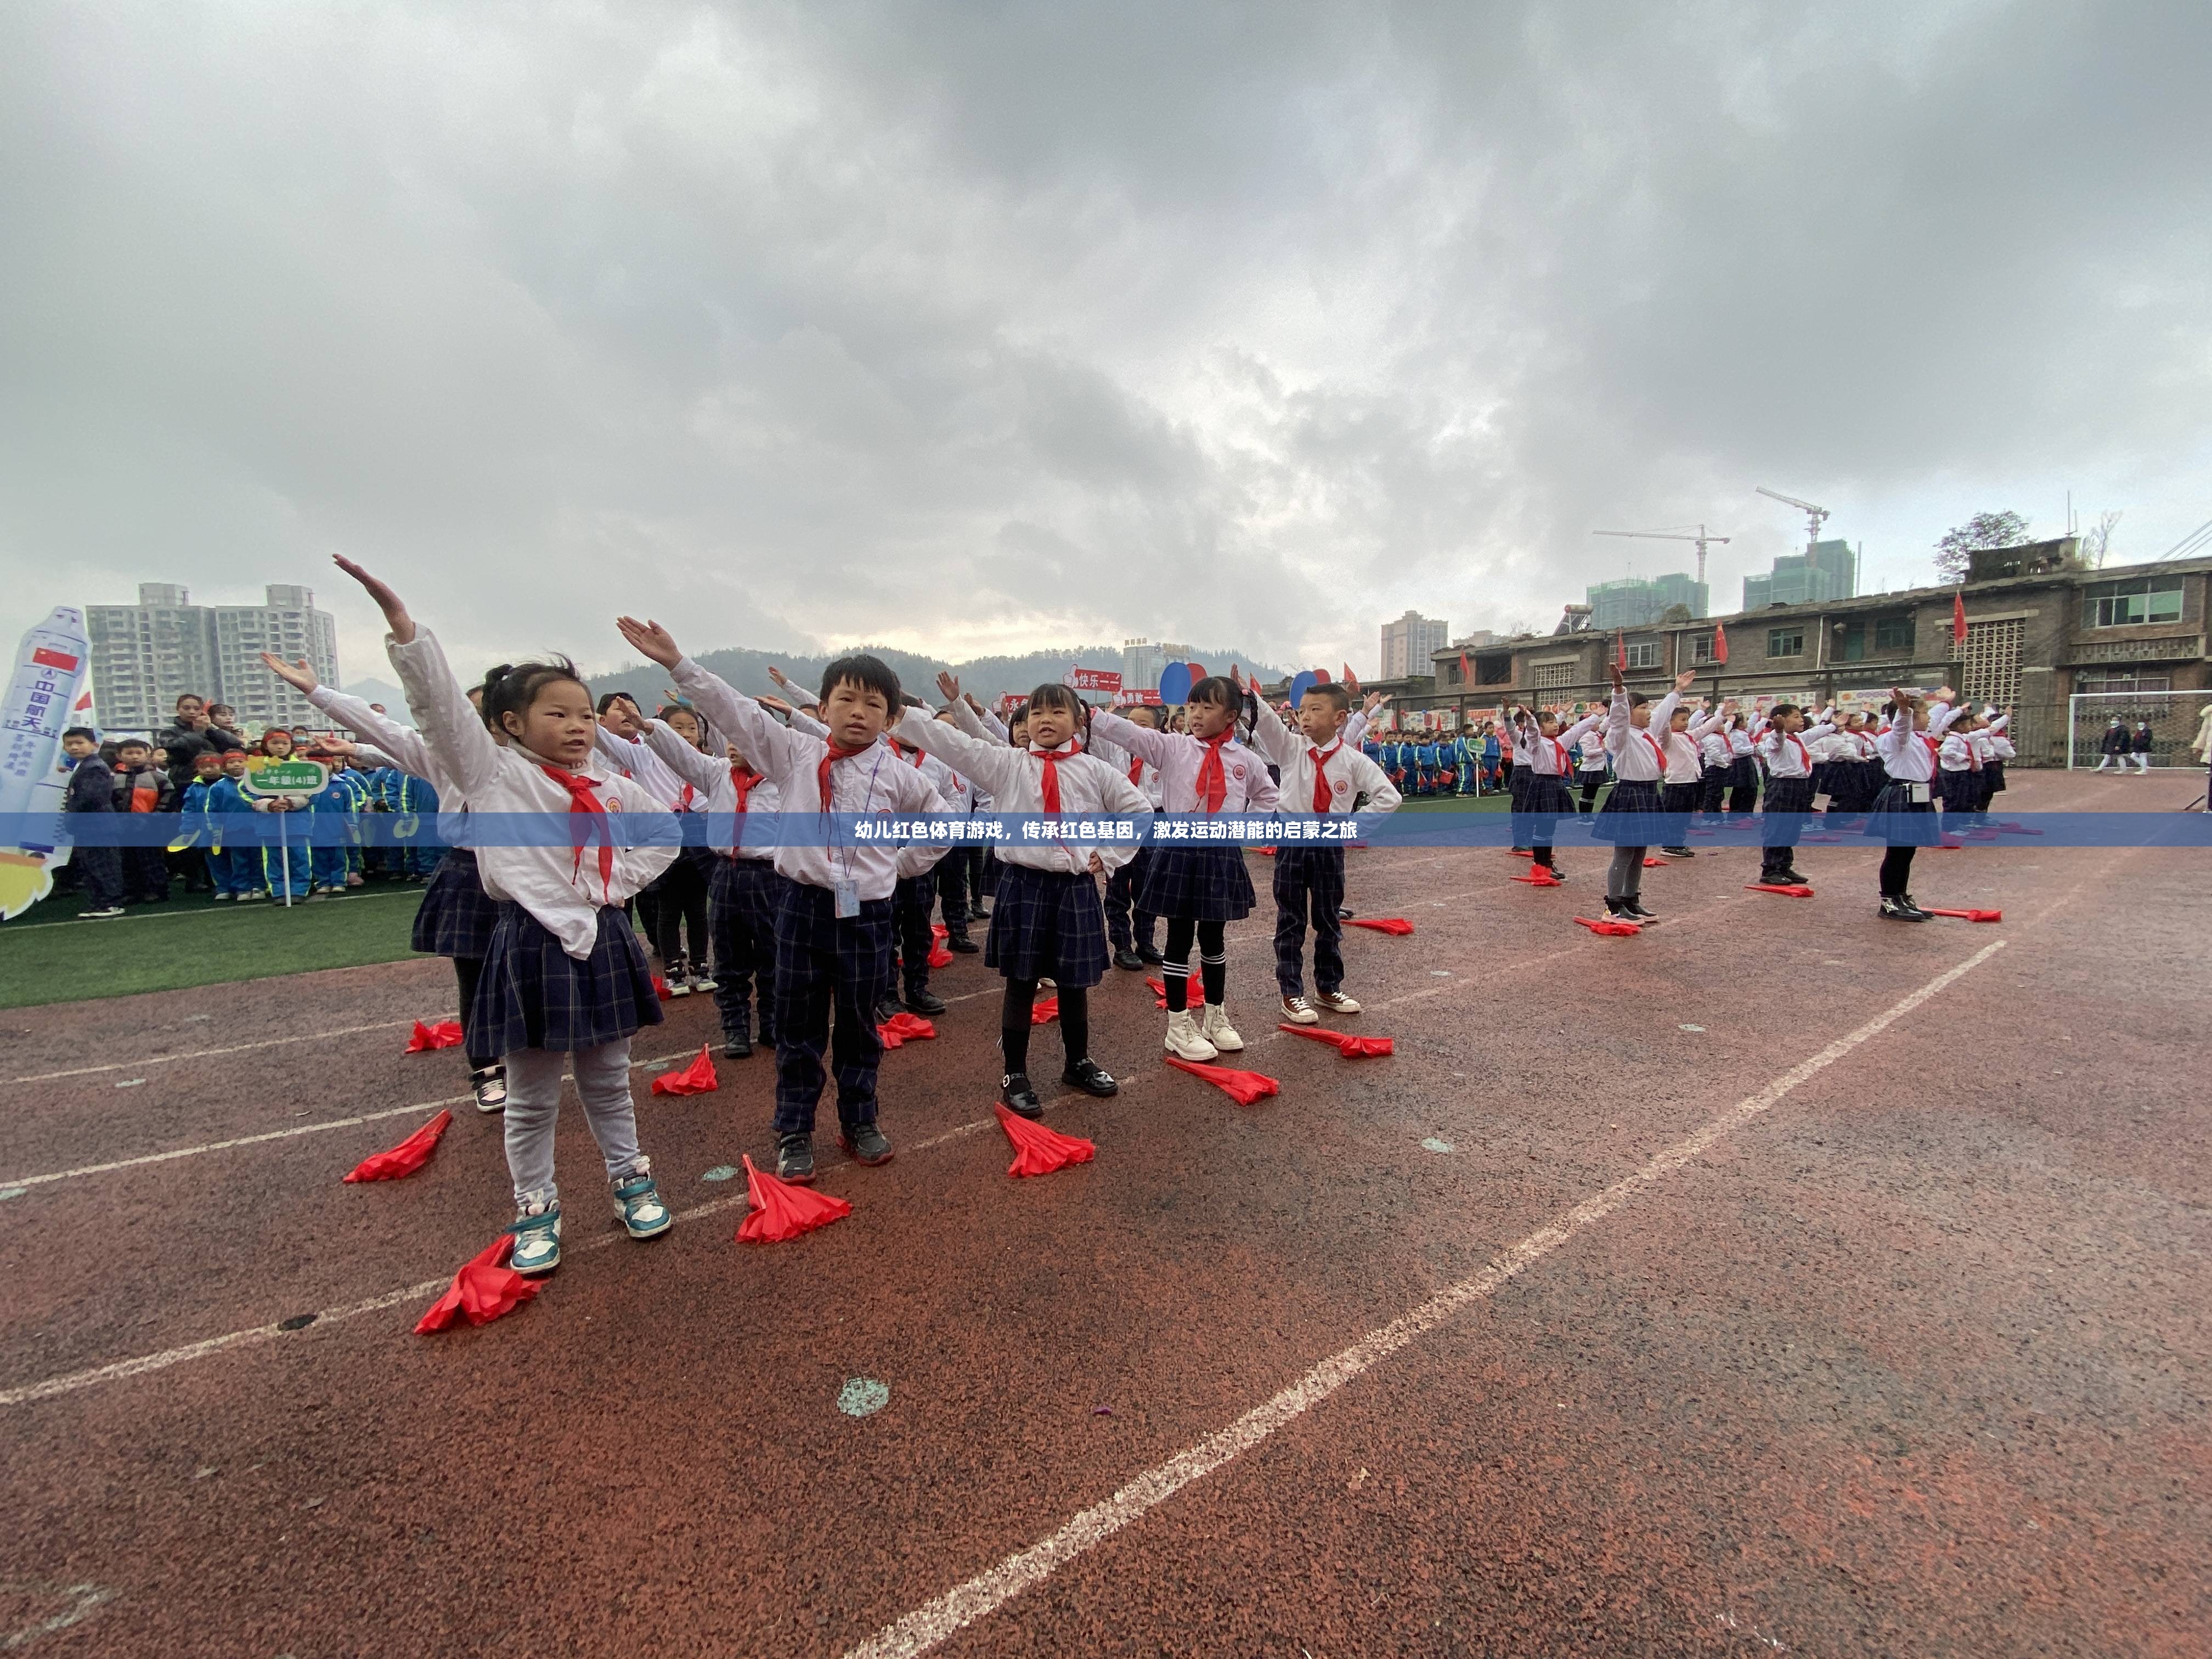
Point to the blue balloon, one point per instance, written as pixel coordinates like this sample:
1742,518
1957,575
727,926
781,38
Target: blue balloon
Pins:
1174,682
1304,682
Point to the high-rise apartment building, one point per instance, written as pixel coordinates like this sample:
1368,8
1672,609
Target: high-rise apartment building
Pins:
1637,601
1141,662
1409,643
1829,571
145,656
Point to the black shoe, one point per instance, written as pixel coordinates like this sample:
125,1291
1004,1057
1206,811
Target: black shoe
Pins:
1918,909
1795,880
864,1143
1680,851
1901,909
1343,913
737,1045
1017,1097
888,1009
961,944
1128,959
1149,956
1637,911
1092,1077
794,1158
922,1002
979,911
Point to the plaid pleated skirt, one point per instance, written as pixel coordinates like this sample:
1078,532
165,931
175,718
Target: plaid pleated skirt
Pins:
1544,793
1993,777
1898,819
1199,883
1630,816
1047,922
455,916
534,994
1743,773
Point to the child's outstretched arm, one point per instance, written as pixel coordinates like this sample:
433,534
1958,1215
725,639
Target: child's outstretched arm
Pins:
452,731
768,746
984,759
1138,740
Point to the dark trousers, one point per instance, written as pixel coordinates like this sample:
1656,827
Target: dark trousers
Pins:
100,871
825,961
679,916
1897,871
1679,800
1713,789
1121,890
1308,889
146,874
911,900
953,874
1743,800
743,897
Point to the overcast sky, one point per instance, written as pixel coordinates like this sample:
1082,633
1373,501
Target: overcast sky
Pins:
978,327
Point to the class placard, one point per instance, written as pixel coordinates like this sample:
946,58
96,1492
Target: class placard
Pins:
267,775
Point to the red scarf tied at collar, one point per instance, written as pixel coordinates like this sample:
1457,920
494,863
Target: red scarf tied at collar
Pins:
1052,758
742,779
1212,780
1319,758
584,801
832,754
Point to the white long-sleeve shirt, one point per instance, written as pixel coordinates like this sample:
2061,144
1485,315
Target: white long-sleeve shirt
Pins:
1790,755
1550,756
1684,749
714,784
1246,786
1909,755
562,887
405,748
634,760
1346,773
1015,777
874,780
1636,755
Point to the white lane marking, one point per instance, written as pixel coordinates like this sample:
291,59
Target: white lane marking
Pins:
211,1054
204,913
84,1599
935,1621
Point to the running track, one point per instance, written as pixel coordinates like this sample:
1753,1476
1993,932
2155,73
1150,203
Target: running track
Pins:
1867,1319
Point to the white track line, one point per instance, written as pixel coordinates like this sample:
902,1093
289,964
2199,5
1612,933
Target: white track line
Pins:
933,1622
211,1054
204,913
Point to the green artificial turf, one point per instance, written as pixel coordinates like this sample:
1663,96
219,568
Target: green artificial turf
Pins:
47,955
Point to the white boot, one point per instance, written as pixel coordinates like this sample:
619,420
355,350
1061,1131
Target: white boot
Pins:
1219,1031
1183,1041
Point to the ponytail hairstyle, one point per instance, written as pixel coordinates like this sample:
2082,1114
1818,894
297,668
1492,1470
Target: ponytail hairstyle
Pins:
482,691
1220,692
511,689
1053,695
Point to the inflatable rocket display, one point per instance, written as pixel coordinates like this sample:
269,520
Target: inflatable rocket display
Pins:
46,686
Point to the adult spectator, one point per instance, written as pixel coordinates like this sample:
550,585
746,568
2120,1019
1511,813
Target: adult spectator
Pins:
191,735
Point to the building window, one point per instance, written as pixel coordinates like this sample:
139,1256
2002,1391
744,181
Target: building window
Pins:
1551,675
1893,633
1494,670
1884,636
2124,605
1785,642
1645,653
2119,679
1701,648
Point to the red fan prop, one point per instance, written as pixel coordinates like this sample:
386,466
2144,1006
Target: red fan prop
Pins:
1037,1150
1044,1011
1243,1087
902,1029
1538,876
409,1156
697,1078
1971,915
781,1211
440,1033
1345,1042
660,988
1519,852
1609,927
481,1291
1787,889
1159,993
940,955
1654,864
1397,925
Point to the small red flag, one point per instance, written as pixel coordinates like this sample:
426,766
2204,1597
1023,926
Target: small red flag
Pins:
1620,650
1159,993
1538,876
1345,1043
440,1033
1037,1150
483,1289
783,1210
1958,618
1619,929
1720,645
1466,674
940,955
905,1028
1243,1087
697,1078
1044,1010
1395,925
409,1156
1971,915
1787,889
1348,676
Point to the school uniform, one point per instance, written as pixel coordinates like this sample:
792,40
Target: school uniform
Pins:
145,792
1129,925
1328,782
1788,758
1631,818
1903,812
913,898
1718,765
955,871
833,934
2115,745
1682,785
2001,751
1590,765
1190,880
1545,797
1743,773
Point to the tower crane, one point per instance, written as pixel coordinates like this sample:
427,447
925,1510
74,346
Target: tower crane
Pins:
1815,516
1701,538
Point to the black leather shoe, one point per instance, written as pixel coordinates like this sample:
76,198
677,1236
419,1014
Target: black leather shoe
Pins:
794,1159
864,1143
1130,960
922,1002
1637,913
890,1008
979,911
1017,1097
1343,913
1150,956
737,1045
961,944
1092,1077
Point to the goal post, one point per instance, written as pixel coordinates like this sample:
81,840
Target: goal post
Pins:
2173,717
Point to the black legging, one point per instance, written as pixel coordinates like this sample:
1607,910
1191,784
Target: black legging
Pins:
1897,871
467,970
1212,961
1014,1024
681,895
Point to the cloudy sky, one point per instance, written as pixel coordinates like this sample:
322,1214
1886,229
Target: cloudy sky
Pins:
975,327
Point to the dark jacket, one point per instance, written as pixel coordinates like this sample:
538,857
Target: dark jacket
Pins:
91,787
2116,739
183,744
145,789
2140,740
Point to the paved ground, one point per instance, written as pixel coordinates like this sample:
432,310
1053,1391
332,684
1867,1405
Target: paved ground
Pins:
1866,1318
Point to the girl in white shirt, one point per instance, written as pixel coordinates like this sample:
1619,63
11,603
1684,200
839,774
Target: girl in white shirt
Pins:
1904,814
1786,746
565,979
1632,817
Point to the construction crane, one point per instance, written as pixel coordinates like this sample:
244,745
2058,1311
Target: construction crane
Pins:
1815,516
1701,538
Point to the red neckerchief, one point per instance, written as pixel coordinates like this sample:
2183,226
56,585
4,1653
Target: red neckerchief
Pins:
898,748
1052,758
1558,755
742,779
1658,754
1137,769
1973,755
830,754
1934,751
1212,785
1804,754
1319,758
583,800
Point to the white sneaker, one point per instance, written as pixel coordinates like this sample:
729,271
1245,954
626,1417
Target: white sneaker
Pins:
1336,1002
1219,1031
704,983
537,1240
1183,1041
1296,1010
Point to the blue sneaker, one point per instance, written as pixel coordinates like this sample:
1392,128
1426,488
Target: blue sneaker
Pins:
638,1202
537,1240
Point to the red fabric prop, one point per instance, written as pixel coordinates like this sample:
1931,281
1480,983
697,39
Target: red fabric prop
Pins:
660,987
481,1291
1959,618
1265,852
1611,928
781,1211
1949,847
697,1078
1396,925
939,956
1045,1010
1788,889
1971,915
1350,1046
439,1034
1654,864
1037,1150
1539,876
1159,993
409,1156
1519,852
902,1029
1243,1087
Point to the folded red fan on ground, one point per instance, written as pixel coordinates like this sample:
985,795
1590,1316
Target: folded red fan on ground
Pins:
1654,864
900,1029
939,956
1037,1150
483,1289
660,988
781,1211
1539,876
1347,1043
1611,928
1790,889
697,1078
1243,1087
1159,993
440,1033
1044,1010
409,1156
1395,925
1971,915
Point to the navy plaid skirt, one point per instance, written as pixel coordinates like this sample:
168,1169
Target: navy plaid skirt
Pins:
1199,883
534,994
1743,773
1899,820
1047,922
455,916
1993,778
1630,815
1545,792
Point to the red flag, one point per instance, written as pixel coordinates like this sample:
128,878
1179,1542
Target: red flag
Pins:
1243,1087
1466,674
483,1289
1348,676
1959,618
1971,915
781,1210
697,1078
1620,929
940,956
1620,650
440,1033
1787,889
1350,1046
1044,1010
905,1028
1395,925
1037,1150
1538,876
1720,645
409,1156
1159,993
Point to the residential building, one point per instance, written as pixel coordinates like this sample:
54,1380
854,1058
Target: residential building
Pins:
1141,662
145,656
1829,571
1410,642
288,626
1636,601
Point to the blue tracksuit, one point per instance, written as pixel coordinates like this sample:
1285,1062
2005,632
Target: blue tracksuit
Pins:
237,866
